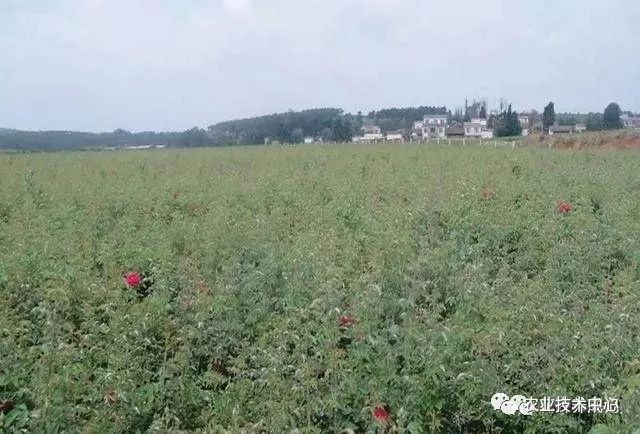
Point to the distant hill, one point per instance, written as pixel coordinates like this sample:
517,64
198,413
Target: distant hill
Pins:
330,124
75,140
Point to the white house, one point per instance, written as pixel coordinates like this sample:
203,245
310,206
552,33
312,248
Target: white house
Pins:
434,126
373,136
477,128
418,127
368,138
370,133
308,140
472,129
630,121
395,136
561,129
524,120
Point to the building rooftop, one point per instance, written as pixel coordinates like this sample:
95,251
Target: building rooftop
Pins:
371,129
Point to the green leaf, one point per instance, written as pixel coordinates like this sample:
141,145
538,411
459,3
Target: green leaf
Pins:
414,428
602,429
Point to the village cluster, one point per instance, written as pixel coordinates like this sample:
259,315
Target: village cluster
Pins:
430,127
441,127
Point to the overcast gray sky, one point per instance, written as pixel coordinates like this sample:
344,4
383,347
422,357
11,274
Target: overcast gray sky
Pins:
171,64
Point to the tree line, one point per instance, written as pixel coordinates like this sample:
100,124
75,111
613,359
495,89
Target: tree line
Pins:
329,124
75,140
326,124
609,119
506,123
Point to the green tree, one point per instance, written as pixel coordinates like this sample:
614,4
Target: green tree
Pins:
513,122
358,122
194,137
458,116
326,134
548,117
297,135
611,117
507,123
467,116
492,121
595,122
535,118
567,119
342,130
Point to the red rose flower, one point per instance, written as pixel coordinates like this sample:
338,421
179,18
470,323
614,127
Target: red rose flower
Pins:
564,207
381,414
133,279
346,321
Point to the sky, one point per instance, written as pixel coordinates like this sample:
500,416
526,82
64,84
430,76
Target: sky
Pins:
98,65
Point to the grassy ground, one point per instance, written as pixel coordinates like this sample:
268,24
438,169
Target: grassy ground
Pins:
460,276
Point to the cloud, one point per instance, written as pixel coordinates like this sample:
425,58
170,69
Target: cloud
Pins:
236,7
172,64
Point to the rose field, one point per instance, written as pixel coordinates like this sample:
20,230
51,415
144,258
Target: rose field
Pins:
312,289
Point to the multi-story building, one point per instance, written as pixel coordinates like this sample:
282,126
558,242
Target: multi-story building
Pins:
370,133
477,128
395,136
630,121
434,126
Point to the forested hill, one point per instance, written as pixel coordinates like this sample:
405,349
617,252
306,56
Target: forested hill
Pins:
328,124
290,127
